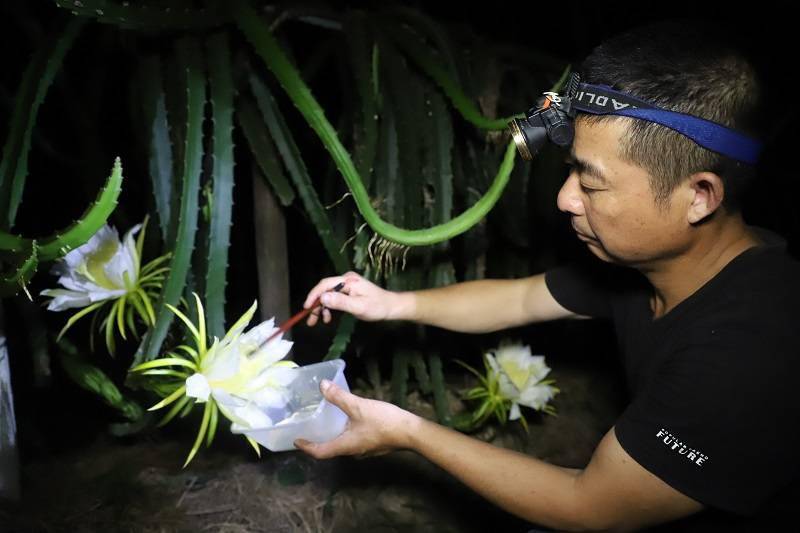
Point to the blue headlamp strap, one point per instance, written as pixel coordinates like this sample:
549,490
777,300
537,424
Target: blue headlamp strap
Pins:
603,100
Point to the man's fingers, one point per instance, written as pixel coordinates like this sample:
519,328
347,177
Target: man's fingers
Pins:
325,450
324,285
312,449
313,317
328,284
338,396
334,300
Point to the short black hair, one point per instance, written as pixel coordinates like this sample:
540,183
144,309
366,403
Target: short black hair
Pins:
689,67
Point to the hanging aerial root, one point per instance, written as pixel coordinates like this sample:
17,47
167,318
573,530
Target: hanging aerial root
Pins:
384,255
340,200
353,237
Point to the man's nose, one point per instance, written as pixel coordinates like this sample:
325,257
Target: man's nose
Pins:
569,197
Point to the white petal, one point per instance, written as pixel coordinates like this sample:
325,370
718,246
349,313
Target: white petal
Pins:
197,387
116,267
507,388
539,369
78,255
493,363
129,240
129,247
223,363
273,351
75,282
537,396
258,334
516,361
103,294
514,413
226,400
240,324
274,376
64,299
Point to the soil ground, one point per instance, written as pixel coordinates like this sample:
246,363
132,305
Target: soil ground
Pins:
137,484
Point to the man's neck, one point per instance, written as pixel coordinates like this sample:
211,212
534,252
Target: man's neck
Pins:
677,278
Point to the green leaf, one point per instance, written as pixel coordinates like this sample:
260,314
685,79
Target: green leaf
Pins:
298,172
13,243
422,56
95,380
36,80
344,331
222,91
149,15
89,223
400,377
24,264
160,155
421,372
365,72
267,48
190,56
264,151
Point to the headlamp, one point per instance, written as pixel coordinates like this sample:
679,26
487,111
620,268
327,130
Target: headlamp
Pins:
553,119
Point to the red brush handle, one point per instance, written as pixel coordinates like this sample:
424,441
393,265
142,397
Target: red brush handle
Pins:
299,316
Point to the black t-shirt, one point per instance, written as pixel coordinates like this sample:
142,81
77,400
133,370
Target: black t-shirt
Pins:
714,383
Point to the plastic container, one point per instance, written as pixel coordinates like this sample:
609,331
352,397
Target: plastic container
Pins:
307,415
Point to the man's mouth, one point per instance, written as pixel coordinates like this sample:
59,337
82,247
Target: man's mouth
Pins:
582,236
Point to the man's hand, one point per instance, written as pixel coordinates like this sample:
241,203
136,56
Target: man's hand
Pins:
359,297
373,428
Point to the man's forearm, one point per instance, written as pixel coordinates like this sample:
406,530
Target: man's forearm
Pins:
481,306
520,484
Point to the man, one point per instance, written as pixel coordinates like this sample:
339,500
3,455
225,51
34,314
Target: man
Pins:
703,306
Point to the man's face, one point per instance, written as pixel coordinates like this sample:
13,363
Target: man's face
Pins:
611,205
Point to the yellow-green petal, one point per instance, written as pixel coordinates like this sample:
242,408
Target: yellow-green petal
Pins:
188,323
200,434
255,446
165,361
173,411
80,314
169,399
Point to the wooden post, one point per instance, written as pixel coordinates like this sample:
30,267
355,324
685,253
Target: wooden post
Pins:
9,459
272,257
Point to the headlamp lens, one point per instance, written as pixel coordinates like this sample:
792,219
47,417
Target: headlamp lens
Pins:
519,139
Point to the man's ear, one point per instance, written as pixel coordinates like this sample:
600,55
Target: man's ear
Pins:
707,193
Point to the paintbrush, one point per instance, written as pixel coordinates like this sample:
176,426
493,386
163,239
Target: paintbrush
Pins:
298,317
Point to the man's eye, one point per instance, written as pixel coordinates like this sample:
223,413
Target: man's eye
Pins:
588,190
